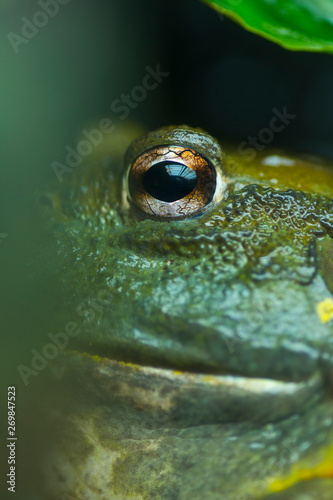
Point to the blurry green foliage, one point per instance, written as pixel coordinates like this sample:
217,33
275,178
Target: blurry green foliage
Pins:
294,24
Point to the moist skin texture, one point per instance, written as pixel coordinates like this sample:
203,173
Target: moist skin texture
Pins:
203,365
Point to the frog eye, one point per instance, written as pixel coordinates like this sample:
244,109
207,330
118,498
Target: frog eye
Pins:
171,182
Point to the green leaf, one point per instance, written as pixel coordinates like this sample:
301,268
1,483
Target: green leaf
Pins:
294,24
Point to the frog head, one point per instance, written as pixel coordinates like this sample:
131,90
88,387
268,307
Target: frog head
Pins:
204,284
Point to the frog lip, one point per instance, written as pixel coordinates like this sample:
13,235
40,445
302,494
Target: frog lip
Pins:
289,363
202,398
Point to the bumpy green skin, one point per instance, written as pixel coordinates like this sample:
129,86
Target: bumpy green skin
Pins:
233,291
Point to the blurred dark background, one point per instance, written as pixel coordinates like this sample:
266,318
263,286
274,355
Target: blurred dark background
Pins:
88,54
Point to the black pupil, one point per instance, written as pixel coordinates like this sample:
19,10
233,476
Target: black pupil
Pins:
169,181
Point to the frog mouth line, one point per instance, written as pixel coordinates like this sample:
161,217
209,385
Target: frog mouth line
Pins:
297,367
195,398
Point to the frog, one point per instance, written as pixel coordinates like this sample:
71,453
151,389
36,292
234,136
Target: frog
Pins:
201,286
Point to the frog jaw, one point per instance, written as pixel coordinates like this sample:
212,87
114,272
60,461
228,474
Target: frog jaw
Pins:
187,399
